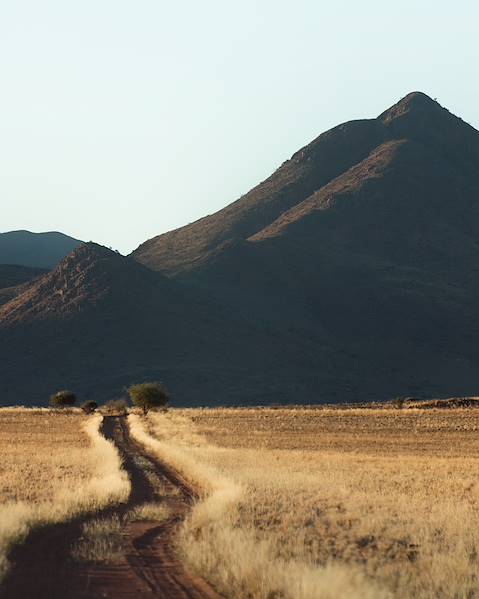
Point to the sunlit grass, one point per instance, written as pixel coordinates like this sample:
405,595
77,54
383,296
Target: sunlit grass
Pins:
54,466
362,503
101,541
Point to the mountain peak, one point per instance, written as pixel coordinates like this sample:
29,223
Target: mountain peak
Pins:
417,99
89,276
414,103
89,260
89,250
417,117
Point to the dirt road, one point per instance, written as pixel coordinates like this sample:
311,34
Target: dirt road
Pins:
43,567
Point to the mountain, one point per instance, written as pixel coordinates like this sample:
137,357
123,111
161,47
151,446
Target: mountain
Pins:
40,250
416,118
100,321
309,169
350,274
364,245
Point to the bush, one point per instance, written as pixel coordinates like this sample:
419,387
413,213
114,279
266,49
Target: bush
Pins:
149,395
62,399
115,407
399,403
89,406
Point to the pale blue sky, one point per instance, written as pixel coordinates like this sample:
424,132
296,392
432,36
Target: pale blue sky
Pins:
120,120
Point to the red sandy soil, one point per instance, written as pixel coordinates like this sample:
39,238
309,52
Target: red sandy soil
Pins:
44,569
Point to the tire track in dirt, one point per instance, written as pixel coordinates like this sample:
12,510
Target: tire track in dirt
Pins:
44,569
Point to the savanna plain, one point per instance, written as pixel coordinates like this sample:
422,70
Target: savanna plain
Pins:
292,502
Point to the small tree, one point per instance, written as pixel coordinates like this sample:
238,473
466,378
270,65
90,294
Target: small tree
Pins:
116,407
89,406
62,399
148,395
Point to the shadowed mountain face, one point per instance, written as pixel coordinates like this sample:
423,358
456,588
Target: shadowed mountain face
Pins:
12,274
13,279
100,321
41,250
349,274
365,243
288,193
308,170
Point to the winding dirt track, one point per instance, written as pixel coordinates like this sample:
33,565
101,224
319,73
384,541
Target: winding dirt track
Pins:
43,568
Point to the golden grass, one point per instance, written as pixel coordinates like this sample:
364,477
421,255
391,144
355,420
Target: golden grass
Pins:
329,503
101,541
54,466
154,512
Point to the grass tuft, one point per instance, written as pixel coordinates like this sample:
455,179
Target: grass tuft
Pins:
154,512
101,541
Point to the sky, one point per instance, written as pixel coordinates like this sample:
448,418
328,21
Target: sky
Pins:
120,120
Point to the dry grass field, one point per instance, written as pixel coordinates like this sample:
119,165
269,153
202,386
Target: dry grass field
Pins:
328,503
54,465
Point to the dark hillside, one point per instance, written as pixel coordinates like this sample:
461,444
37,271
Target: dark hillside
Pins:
379,260
40,250
349,275
12,274
308,169
101,321
14,277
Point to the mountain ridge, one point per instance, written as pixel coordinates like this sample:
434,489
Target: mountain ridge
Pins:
350,274
38,250
297,177
320,162
100,320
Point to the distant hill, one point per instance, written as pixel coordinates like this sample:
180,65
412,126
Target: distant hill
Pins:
348,275
41,250
100,321
14,277
12,274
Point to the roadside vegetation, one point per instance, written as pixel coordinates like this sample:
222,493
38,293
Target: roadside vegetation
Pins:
327,503
105,540
115,407
148,396
55,465
62,399
89,406
101,541
151,512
